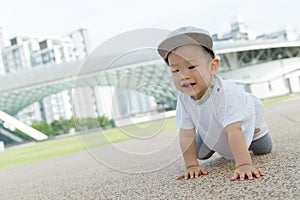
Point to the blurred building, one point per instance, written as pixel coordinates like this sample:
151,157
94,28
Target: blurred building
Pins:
54,51
25,53
289,34
57,50
130,103
81,41
239,30
18,55
93,101
2,69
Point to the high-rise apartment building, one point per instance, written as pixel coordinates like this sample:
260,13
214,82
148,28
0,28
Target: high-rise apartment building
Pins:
128,103
58,50
54,51
81,42
17,56
24,53
93,101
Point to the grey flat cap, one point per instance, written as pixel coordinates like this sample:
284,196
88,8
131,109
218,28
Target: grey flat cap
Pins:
184,36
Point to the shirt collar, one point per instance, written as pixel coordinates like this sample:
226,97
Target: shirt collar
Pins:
207,93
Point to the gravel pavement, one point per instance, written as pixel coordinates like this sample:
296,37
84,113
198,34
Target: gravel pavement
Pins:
146,169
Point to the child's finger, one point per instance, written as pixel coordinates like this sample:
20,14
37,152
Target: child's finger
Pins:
242,176
186,175
261,172
249,175
192,174
203,171
256,173
180,176
234,176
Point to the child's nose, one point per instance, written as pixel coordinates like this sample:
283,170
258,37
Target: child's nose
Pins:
184,75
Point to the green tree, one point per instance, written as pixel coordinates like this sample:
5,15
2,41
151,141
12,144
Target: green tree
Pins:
60,126
42,127
105,121
90,123
72,122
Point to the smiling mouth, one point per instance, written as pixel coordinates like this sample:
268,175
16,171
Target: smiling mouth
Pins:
187,85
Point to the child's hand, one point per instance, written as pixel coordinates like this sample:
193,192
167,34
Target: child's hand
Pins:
244,171
192,172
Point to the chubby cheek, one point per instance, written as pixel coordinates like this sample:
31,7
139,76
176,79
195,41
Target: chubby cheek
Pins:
202,78
176,82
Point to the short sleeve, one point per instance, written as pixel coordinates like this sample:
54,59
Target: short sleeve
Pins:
183,119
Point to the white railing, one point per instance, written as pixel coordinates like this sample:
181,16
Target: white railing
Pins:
35,134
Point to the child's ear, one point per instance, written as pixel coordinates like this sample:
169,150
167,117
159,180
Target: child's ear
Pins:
214,66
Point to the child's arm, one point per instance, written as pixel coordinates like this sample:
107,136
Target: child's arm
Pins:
241,153
188,147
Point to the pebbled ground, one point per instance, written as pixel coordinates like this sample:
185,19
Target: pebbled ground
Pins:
146,169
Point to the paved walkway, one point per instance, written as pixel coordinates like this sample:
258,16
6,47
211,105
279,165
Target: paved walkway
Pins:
156,161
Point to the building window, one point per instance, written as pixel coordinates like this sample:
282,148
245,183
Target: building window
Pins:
43,45
13,41
248,88
270,85
288,84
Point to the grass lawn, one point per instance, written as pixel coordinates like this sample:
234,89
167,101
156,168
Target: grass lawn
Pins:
57,147
280,98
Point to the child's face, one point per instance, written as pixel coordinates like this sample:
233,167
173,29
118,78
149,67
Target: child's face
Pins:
192,70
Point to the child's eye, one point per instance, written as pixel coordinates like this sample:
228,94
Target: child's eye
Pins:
175,70
192,67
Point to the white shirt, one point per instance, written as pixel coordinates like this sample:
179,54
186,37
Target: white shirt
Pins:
224,103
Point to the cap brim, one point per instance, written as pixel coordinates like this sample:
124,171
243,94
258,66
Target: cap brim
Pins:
169,44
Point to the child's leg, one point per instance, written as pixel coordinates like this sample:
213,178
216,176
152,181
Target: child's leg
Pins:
262,146
203,152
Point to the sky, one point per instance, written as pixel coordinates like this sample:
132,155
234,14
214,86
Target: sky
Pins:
105,19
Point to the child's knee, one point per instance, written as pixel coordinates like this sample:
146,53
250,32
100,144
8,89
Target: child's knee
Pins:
264,150
263,145
205,155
